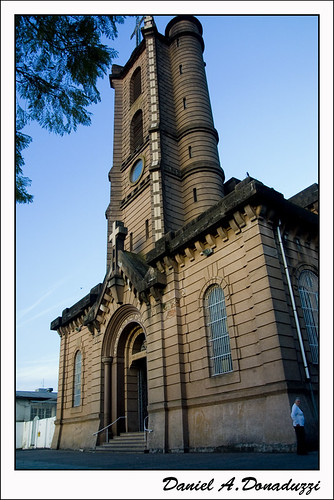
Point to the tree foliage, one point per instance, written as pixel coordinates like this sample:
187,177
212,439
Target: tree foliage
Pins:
58,62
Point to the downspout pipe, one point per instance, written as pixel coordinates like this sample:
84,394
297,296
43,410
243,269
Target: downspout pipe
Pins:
61,416
307,373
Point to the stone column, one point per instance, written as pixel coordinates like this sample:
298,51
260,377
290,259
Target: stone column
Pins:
107,393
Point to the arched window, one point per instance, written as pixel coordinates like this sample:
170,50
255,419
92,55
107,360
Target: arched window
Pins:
135,85
308,291
136,130
77,380
219,339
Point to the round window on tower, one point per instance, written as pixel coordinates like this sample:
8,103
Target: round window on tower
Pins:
136,171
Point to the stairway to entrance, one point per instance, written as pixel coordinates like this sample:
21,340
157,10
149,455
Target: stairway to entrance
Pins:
126,442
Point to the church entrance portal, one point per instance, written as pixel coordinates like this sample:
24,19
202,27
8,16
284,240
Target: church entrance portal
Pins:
136,397
136,383
125,379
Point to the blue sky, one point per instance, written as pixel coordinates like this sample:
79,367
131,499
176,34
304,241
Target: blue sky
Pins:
262,77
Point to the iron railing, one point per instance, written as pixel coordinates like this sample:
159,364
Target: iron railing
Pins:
106,428
145,428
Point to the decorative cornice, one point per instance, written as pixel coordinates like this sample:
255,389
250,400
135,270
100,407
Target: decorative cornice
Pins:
251,198
202,166
77,310
197,127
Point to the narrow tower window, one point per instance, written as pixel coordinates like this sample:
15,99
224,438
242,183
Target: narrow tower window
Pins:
189,151
135,85
136,130
131,242
195,194
177,42
147,232
113,259
180,69
184,103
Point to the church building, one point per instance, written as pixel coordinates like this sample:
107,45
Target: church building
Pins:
205,327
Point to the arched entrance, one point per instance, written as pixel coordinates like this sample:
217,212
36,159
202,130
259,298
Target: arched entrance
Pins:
135,374
125,373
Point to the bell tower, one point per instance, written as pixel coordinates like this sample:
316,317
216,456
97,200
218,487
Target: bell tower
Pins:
201,175
166,168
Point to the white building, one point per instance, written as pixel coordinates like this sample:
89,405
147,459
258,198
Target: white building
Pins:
41,403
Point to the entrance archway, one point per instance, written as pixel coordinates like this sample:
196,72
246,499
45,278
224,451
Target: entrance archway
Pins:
136,381
125,373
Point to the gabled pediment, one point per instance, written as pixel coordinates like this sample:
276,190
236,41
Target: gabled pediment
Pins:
144,278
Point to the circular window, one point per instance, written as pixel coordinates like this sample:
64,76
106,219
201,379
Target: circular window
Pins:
136,171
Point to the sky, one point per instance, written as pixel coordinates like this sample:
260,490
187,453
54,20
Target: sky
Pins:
262,73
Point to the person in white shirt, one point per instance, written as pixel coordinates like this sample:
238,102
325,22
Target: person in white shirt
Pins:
298,421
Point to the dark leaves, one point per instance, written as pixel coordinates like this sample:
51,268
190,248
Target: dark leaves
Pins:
21,142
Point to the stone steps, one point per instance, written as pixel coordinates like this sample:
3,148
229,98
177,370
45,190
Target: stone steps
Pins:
126,442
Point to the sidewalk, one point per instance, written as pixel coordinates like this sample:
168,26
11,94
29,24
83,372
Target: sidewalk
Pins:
46,459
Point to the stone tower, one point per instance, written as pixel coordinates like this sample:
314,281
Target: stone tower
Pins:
166,168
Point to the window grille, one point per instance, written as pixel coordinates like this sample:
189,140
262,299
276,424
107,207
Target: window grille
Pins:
308,292
77,380
219,339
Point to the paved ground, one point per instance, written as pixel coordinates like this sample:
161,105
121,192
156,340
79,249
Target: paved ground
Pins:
46,459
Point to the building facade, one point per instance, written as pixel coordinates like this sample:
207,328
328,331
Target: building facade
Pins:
41,403
205,327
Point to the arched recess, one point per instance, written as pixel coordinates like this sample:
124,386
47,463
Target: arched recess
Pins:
135,85
136,130
135,383
125,371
